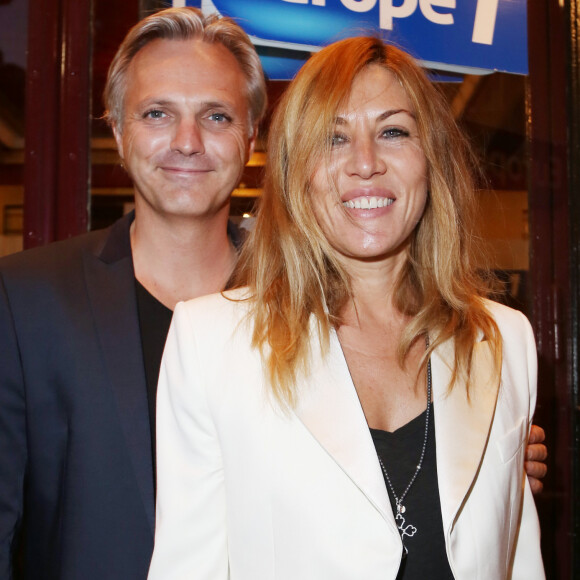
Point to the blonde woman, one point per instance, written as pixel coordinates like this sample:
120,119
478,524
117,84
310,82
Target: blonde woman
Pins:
356,409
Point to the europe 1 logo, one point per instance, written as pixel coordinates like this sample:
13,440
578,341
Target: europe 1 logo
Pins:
436,11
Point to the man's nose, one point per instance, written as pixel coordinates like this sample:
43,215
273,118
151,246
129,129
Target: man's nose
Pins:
187,138
365,160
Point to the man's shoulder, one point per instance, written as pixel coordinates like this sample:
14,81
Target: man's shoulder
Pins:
54,251
56,256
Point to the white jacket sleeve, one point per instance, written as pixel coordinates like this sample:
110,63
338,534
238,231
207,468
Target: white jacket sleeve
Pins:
190,537
527,561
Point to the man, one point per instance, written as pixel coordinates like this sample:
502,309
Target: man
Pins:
83,322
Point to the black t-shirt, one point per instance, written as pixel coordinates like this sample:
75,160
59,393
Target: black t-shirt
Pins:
154,322
400,452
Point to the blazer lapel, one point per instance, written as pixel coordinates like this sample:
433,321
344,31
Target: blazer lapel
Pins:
111,290
330,409
462,425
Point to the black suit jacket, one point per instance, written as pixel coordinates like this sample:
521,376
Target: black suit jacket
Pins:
75,447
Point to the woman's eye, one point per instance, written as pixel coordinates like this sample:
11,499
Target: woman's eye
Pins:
337,139
393,132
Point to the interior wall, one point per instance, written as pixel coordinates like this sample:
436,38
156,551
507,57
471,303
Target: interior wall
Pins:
503,225
10,219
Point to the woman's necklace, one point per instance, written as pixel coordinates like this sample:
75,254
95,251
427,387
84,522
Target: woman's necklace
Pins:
404,528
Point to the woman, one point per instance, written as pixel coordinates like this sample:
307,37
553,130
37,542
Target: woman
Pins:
358,410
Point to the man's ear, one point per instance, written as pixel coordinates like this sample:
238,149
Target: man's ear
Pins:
118,139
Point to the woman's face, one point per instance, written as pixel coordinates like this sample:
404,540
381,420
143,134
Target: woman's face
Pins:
379,170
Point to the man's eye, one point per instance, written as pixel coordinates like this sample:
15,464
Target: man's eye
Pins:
154,114
220,117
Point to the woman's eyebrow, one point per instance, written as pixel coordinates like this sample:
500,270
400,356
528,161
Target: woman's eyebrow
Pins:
392,112
381,117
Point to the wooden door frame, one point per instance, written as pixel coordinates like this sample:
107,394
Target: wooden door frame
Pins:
57,135
572,14
553,116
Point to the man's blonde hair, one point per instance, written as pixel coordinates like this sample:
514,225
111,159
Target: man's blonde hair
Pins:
185,24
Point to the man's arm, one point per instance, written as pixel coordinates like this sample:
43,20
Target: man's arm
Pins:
536,455
13,454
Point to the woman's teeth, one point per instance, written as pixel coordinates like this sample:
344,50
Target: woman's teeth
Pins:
368,202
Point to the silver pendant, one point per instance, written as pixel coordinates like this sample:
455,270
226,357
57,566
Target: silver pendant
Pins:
406,530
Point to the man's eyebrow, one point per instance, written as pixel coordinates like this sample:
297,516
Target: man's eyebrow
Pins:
216,105
153,102
157,102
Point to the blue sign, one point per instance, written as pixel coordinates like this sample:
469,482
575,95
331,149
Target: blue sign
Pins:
465,36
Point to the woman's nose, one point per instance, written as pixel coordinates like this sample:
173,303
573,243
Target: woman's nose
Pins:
365,159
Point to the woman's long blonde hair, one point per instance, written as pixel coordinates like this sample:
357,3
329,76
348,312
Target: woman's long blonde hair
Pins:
288,263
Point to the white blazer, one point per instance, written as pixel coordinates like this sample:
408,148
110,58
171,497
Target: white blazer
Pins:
247,491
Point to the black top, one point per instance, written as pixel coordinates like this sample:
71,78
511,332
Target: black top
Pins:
154,322
400,452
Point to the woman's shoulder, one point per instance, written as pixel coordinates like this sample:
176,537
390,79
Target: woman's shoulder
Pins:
501,311
227,307
511,323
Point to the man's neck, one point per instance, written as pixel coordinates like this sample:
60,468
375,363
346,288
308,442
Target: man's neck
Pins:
180,259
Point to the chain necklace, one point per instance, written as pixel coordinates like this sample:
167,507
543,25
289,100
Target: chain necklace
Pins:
409,529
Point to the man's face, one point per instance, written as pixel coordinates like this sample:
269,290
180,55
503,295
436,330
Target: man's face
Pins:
185,136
